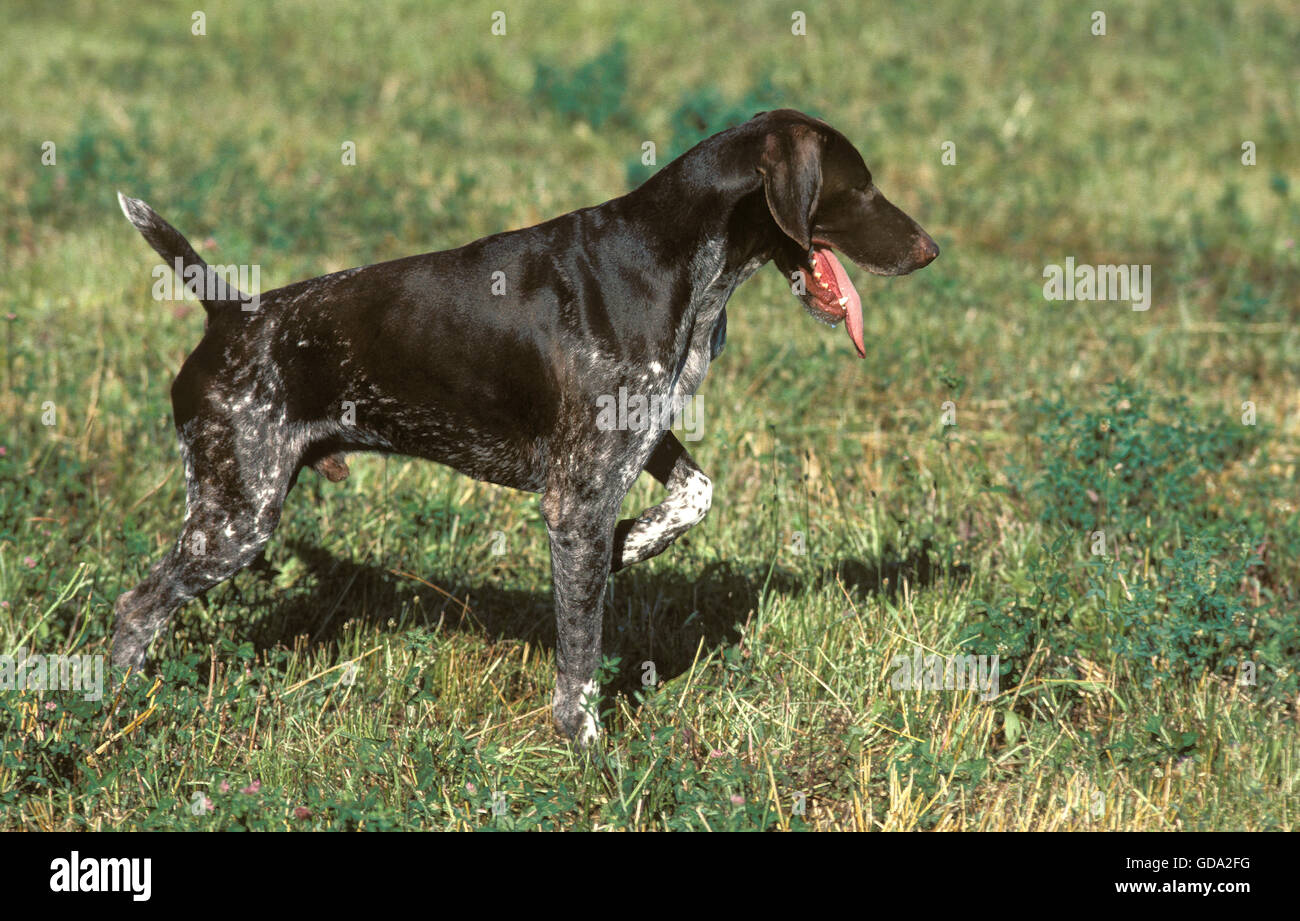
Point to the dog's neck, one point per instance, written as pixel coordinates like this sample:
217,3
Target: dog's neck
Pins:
728,245
733,242
725,225
723,231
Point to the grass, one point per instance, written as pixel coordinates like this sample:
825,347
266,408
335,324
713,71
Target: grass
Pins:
396,671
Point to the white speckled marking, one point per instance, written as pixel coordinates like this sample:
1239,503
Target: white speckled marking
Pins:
684,508
590,727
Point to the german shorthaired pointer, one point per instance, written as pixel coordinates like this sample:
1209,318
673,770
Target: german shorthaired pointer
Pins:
491,359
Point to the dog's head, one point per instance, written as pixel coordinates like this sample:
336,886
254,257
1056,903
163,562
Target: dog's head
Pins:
821,196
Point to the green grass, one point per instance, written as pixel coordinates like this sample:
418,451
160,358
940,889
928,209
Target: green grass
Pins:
1120,705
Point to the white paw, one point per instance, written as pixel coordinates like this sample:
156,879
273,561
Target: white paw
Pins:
590,725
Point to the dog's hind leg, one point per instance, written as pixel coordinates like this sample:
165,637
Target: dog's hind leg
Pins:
690,494
236,480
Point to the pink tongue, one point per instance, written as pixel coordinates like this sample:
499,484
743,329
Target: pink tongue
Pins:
853,308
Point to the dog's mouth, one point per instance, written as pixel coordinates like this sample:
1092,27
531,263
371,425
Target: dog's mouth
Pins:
828,294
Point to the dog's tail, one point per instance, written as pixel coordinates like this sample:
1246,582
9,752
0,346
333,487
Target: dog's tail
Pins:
212,288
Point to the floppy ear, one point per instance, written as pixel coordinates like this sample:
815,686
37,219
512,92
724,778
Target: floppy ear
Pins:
791,166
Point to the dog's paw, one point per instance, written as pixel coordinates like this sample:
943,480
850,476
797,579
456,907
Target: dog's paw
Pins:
127,653
575,714
129,641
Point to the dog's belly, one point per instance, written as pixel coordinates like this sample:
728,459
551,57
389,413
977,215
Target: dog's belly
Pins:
463,444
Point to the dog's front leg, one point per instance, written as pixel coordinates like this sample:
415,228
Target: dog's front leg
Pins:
580,528
690,493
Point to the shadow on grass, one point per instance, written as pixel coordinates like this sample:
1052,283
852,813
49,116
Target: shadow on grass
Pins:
664,615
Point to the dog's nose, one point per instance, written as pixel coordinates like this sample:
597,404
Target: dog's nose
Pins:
924,251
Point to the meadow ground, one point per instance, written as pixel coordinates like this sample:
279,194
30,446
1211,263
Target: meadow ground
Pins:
395,672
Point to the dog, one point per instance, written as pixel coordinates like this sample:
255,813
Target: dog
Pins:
491,359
